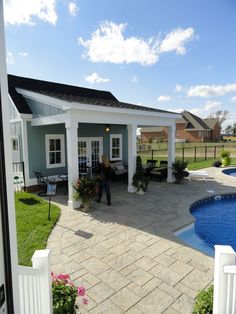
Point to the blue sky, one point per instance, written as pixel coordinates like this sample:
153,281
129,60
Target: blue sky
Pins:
170,54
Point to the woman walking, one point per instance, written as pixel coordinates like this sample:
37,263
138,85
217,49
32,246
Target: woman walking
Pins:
104,178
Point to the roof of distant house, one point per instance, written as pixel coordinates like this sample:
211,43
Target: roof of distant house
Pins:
194,122
211,122
67,93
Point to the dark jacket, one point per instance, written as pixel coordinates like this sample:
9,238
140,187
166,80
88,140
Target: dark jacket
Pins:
104,173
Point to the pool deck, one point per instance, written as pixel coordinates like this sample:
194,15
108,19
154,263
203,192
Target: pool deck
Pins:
127,256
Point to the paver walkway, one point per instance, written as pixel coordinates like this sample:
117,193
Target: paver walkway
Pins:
127,256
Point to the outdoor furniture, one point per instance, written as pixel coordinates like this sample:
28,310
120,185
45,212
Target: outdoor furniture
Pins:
160,172
197,174
118,170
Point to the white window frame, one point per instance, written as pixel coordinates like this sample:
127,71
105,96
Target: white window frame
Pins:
121,144
61,137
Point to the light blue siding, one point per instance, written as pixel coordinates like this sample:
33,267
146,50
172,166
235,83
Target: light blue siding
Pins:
36,143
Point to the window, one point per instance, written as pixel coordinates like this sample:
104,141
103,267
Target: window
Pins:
115,147
15,144
55,150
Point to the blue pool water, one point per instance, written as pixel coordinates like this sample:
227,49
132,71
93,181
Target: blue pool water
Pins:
230,172
215,224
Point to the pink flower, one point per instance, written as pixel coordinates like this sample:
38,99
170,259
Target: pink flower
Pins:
81,291
63,276
85,301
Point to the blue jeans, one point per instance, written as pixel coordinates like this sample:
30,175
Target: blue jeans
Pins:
106,186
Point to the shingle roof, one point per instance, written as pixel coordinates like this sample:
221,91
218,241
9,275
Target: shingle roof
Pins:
68,93
211,122
194,122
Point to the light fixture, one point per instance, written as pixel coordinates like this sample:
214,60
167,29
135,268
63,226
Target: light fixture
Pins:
107,128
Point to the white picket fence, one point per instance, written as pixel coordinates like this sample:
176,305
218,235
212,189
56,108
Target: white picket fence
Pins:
224,280
35,285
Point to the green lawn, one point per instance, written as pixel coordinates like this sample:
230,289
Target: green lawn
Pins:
33,226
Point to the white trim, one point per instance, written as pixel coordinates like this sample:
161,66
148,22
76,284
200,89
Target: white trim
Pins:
54,119
61,137
120,148
51,101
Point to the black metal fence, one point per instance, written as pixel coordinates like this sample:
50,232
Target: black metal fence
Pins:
187,153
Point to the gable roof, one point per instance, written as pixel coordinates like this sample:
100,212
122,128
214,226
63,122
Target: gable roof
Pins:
211,122
194,122
68,93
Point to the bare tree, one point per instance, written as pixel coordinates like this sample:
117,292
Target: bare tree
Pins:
222,115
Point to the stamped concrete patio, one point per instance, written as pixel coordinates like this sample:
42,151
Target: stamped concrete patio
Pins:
127,256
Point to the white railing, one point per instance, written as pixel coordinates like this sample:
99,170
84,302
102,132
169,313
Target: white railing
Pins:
224,280
35,285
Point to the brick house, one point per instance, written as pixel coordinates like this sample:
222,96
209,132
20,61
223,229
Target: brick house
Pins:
189,128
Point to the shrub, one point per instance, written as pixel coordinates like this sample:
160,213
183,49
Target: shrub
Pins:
140,181
204,302
85,189
179,170
225,154
216,163
64,294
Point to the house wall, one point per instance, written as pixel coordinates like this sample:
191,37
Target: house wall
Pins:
36,143
215,135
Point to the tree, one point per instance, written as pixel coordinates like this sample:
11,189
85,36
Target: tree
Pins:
222,115
229,130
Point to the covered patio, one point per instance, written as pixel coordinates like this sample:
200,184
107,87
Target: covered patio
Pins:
126,116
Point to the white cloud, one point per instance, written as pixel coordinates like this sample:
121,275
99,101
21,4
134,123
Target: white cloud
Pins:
23,54
178,88
73,8
163,98
210,105
10,58
210,90
198,111
175,40
108,44
28,11
95,78
134,79
233,99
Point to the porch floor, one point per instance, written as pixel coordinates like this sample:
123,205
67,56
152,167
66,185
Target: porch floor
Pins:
127,256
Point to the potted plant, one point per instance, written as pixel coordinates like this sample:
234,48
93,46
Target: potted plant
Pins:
179,170
225,155
85,190
64,294
140,180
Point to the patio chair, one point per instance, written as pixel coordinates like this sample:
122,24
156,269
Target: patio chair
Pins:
197,174
119,170
160,172
42,182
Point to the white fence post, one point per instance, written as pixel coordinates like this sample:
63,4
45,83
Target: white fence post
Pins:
41,261
224,256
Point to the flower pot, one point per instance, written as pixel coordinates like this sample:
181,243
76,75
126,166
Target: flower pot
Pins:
140,192
87,206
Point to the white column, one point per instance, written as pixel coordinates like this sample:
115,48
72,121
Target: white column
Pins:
132,153
25,150
224,256
72,160
171,152
8,165
41,261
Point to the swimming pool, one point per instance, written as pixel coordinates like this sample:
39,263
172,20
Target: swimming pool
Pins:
215,224
230,172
